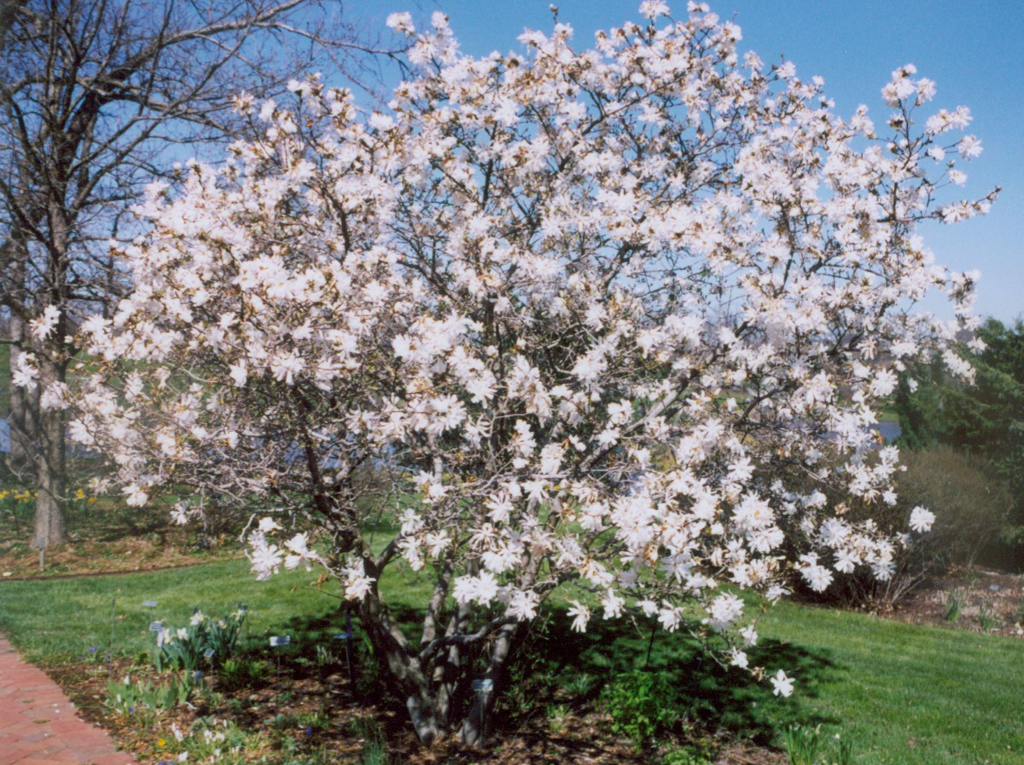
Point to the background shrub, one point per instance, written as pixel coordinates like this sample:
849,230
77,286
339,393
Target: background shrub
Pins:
972,506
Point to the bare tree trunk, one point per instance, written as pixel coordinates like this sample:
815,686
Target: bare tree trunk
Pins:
51,451
434,689
478,723
51,474
401,666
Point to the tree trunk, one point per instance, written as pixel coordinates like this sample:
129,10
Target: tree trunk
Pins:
51,471
436,684
51,459
477,726
434,695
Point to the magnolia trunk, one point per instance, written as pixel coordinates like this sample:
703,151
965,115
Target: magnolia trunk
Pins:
438,688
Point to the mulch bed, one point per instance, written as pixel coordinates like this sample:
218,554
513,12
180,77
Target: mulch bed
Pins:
990,601
94,557
278,707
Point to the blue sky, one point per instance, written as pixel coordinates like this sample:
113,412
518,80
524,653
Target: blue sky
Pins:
973,50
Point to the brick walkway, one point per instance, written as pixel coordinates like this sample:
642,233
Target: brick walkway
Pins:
38,724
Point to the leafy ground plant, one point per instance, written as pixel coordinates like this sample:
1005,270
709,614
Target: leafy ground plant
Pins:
126,697
204,642
954,606
242,672
641,705
807,746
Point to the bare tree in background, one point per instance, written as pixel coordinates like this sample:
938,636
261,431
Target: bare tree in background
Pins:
96,98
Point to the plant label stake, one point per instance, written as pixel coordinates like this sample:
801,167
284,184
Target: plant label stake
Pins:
149,604
279,641
156,627
41,542
110,649
347,637
348,646
482,688
244,610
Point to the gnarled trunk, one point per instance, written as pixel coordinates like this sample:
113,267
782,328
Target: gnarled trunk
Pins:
437,686
476,727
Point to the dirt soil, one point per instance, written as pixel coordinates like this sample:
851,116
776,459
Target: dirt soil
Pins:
969,599
120,556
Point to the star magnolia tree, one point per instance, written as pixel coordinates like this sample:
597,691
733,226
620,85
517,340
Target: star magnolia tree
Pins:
617,320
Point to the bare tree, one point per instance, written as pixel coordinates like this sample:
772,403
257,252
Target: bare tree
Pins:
96,98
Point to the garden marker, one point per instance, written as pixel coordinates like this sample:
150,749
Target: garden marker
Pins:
110,649
278,641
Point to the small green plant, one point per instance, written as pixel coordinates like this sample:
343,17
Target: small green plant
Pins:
325,657
691,754
578,686
806,746
204,640
556,718
803,745
242,672
215,740
370,679
641,705
844,756
954,606
985,620
311,721
127,698
374,751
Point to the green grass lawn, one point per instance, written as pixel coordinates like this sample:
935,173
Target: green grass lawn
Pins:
902,693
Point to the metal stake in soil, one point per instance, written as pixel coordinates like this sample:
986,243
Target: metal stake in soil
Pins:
110,648
348,642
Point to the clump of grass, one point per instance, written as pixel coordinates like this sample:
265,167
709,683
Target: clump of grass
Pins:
954,606
374,751
806,746
986,621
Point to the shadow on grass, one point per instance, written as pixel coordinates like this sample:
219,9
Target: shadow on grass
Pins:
554,665
713,696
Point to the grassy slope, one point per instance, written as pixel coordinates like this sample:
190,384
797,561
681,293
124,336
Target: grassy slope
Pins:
956,694
883,684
